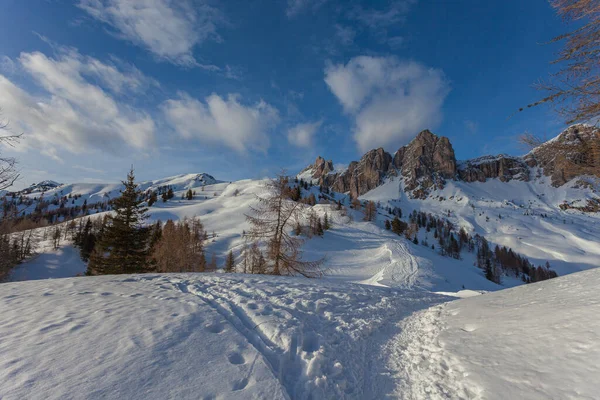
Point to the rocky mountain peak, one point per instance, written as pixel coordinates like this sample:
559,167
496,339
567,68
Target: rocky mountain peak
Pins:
319,168
428,162
575,152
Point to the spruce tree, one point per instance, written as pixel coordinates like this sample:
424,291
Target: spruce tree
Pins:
123,247
230,262
319,228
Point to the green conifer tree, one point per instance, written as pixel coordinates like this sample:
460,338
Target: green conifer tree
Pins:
230,262
123,247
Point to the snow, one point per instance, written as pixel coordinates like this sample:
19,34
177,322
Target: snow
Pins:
524,216
380,324
236,336
64,262
198,336
540,341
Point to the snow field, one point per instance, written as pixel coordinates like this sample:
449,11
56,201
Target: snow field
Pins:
198,336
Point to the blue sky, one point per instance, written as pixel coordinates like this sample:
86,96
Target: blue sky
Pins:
240,89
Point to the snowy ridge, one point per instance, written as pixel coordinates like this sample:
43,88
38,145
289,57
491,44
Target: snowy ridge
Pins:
525,216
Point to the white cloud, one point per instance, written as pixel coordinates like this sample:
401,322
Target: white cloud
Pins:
170,29
302,135
390,100
7,65
224,121
71,112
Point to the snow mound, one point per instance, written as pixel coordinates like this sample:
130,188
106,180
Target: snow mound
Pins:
539,341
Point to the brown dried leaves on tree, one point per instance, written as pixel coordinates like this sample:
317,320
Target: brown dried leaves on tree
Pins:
271,221
575,89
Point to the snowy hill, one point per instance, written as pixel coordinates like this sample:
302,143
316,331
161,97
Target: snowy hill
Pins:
239,337
355,251
525,216
540,341
197,336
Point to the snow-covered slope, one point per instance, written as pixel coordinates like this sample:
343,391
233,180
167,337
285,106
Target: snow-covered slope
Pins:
89,193
525,216
354,251
540,341
198,336
239,337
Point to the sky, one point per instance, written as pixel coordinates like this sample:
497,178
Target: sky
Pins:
241,89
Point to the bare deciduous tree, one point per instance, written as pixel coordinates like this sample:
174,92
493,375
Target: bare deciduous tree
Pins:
8,165
271,221
575,88
370,211
180,247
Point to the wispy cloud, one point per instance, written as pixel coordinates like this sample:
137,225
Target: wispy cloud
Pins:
376,18
390,100
472,126
302,135
78,108
169,29
344,34
222,121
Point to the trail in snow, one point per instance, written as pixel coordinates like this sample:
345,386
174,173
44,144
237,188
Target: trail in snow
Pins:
425,370
199,335
539,341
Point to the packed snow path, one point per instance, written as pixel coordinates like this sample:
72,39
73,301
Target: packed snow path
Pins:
539,341
199,336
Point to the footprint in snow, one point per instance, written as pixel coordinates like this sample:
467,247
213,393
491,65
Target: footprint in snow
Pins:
215,327
236,358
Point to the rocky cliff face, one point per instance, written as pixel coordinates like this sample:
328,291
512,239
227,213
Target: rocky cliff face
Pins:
503,167
574,152
428,161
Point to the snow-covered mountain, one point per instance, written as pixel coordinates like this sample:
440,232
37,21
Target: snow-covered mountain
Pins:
513,205
380,324
541,205
428,162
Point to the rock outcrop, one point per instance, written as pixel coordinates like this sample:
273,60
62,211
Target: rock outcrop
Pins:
319,169
574,152
428,162
425,163
503,167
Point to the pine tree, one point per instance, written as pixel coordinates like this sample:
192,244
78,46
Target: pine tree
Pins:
170,193
370,211
388,226
230,262
152,199
319,227
326,224
189,195
123,247
87,241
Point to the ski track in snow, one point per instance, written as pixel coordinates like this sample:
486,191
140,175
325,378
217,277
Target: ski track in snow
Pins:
265,337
